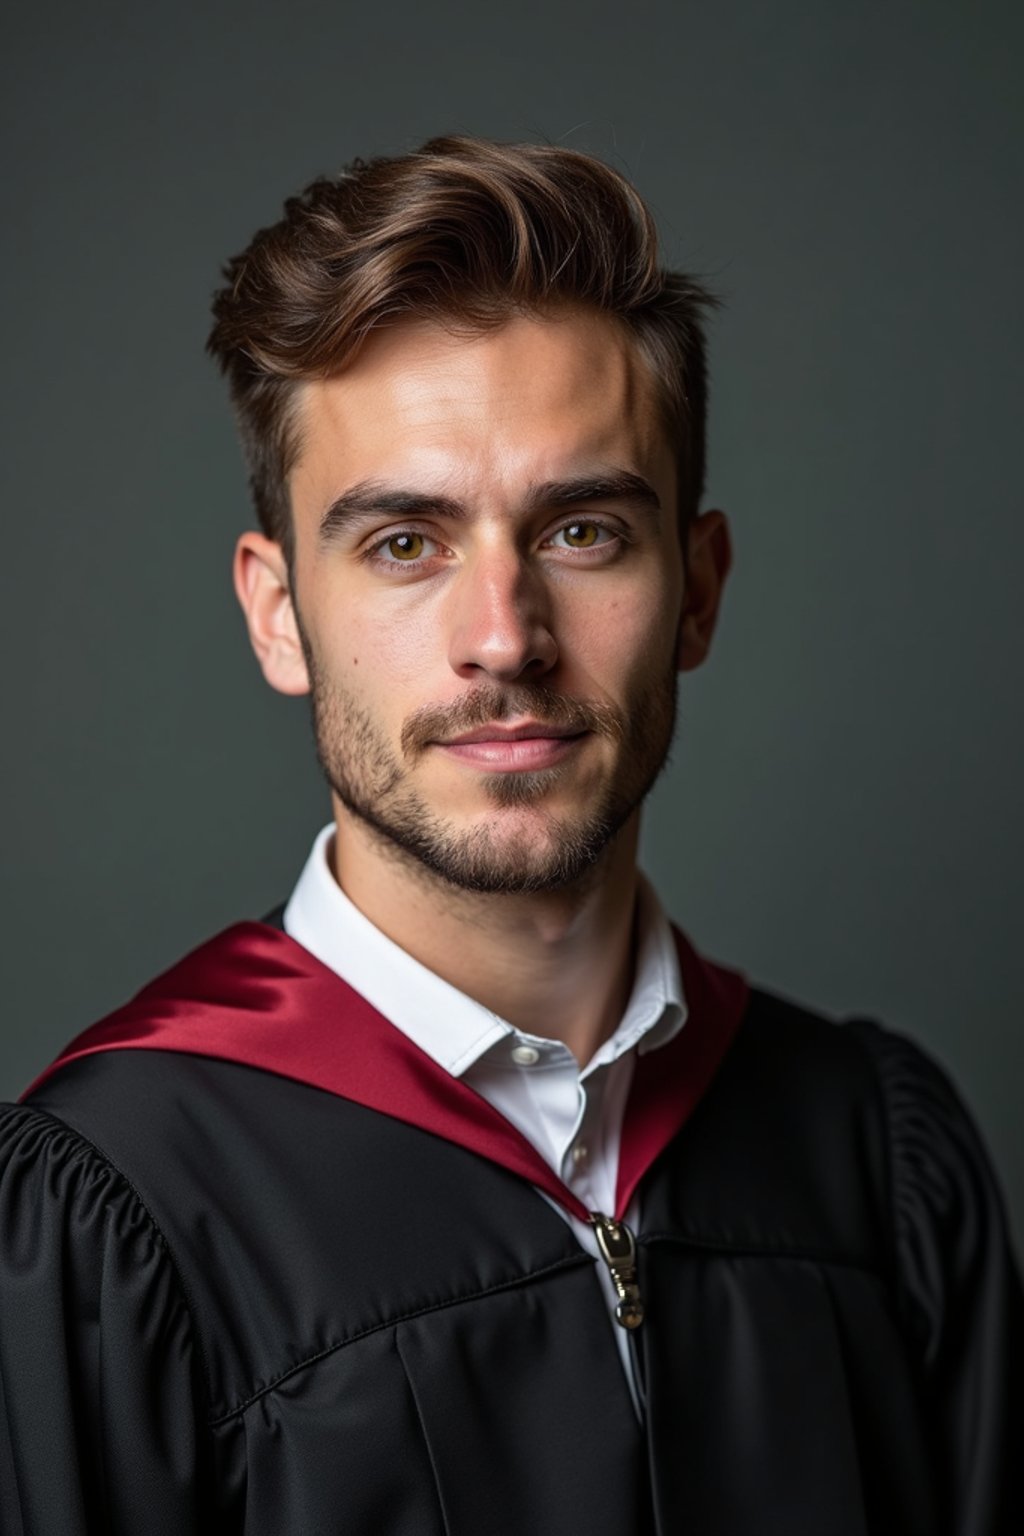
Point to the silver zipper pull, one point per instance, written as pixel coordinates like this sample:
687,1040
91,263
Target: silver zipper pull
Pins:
618,1249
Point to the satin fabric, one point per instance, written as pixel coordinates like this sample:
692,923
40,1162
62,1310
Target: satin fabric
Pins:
253,995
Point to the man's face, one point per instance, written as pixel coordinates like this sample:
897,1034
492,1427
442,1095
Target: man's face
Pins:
488,584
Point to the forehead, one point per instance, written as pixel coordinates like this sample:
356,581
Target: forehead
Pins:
527,401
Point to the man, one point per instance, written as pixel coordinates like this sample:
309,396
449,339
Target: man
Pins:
462,1194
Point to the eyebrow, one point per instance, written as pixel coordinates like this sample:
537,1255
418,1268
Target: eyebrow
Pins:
374,498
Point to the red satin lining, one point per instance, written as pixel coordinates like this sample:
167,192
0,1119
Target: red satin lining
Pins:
255,996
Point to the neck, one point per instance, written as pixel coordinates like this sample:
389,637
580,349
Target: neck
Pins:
558,964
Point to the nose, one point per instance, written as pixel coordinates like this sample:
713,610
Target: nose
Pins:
501,623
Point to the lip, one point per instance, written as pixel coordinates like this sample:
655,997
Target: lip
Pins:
530,730
515,749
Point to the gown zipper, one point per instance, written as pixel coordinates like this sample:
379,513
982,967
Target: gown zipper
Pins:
618,1249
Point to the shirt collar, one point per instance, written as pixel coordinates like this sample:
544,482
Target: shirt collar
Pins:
454,1029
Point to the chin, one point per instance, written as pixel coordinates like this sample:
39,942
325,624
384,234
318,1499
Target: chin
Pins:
526,790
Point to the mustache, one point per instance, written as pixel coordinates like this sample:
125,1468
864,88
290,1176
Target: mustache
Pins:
439,722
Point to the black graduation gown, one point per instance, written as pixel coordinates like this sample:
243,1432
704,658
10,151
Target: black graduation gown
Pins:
233,1301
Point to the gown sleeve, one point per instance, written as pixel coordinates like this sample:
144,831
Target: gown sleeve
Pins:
101,1414
959,1292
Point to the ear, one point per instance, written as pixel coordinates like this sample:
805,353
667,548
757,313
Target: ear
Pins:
260,575
709,557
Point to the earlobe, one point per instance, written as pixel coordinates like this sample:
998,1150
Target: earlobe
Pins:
260,576
709,549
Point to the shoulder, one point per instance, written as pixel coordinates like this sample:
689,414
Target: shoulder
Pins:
866,1097
871,1068
793,1066
950,1231
72,1222
860,1070
44,1161
828,1135
149,1071
48,1165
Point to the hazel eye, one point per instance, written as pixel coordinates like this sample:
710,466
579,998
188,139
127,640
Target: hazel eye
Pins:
581,535
404,546
408,547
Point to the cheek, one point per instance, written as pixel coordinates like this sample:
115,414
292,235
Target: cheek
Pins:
374,651
632,635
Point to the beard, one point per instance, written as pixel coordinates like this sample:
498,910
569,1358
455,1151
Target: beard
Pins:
371,779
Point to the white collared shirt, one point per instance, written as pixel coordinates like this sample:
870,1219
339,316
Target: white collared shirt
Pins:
571,1115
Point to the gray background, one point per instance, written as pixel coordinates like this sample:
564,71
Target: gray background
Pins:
841,818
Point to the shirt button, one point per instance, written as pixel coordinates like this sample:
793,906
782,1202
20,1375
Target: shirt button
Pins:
525,1055
580,1153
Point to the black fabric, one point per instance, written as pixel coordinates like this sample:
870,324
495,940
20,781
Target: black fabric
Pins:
231,1302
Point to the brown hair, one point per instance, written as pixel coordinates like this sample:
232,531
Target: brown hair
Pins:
464,231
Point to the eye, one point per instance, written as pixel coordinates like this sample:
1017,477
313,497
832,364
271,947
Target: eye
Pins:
583,534
404,548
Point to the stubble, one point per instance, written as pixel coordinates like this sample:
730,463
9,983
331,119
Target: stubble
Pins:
373,781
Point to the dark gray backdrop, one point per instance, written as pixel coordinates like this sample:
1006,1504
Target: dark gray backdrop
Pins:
841,818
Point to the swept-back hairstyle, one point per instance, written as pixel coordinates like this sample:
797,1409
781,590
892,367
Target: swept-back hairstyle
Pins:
466,232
